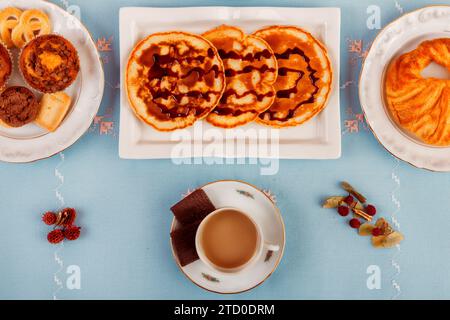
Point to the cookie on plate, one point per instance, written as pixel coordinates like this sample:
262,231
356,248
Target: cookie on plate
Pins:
32,23
54,108
9,19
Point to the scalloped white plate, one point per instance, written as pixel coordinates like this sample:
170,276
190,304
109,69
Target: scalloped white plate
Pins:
249,199
400,36
30,142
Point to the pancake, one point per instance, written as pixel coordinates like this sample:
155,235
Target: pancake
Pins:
421,105
250,70
174,79
304,76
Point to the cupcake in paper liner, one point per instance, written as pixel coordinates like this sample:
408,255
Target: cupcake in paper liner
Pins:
18,107
6,65
49,63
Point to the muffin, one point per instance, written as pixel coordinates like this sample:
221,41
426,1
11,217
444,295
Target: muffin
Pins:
18,106
49,63
5,65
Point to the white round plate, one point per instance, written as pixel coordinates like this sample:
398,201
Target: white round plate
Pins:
261,208
30,142
400,36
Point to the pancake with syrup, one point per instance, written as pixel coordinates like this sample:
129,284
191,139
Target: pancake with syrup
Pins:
174,79
251,72
304,76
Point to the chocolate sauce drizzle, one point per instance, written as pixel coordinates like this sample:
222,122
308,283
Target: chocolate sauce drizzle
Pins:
285,94
160,67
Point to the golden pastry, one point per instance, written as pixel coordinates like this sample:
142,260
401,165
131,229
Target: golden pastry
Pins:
32,23
5,65
174,79
250,70
54,108
421,105
3,124
9,19
304,76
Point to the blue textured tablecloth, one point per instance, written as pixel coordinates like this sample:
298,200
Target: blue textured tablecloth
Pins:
124,250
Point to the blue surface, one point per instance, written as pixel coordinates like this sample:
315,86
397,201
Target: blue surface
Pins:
124,249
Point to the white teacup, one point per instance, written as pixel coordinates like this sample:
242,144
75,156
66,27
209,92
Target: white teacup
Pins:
261,245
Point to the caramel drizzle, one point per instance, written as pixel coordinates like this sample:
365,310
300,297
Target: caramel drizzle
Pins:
250,57
248,69
231,92
155,61
285,94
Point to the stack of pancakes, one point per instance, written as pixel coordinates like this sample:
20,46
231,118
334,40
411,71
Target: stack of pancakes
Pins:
279,76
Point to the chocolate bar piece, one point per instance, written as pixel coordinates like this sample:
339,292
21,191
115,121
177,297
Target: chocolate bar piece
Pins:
183,241
194,207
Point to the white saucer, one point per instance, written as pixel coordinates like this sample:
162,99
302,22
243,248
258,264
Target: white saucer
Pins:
30,142
400,36
261,208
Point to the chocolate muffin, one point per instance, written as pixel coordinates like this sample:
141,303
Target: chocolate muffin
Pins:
18,106
5,65
49,63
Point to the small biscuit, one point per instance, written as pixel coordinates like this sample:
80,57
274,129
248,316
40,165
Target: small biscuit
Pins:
54,107
3,124
32,23
9,19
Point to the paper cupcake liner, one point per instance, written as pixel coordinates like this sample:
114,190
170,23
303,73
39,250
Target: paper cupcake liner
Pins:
21,71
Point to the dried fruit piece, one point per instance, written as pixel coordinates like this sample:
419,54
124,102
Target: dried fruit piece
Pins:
332,202
55,236
347,187
357,205
355,223
343,211
49,218
72,233
66,217
377,232
371,210
349,200
366,229
388,241
362,214
384,226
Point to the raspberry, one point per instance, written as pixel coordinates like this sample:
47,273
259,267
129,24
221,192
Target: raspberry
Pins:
67,217
355,223
49,218
349,200
343,211
72,233
55,236
371,210
377,232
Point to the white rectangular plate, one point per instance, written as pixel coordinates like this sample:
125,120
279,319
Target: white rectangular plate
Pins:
320,138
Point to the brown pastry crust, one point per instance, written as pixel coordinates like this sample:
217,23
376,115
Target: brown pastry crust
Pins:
5,65
18,106
49,63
